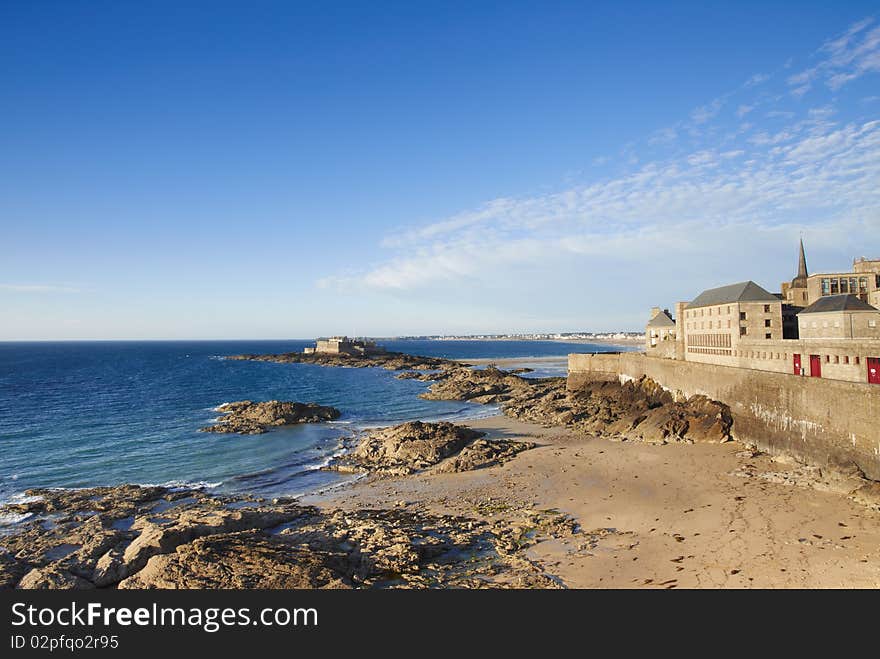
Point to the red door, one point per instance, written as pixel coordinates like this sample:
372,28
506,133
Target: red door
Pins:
815,366
797,364
874,370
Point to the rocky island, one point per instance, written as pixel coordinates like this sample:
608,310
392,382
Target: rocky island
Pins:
392,361
249,418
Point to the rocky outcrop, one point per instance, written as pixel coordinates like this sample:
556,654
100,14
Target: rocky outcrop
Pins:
640,410
250,418
407,448
417,446
637,410
392,361
131,537
483,453
424,377
488,385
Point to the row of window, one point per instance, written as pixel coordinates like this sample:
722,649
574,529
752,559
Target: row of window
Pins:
703,324
709,340
710,351
836,323
694,313
836,285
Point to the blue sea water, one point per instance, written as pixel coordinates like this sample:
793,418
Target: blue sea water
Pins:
79,414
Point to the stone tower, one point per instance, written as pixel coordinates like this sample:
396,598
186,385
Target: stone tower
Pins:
795,292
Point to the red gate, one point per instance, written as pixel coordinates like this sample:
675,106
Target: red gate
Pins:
874,370
797,364
815,366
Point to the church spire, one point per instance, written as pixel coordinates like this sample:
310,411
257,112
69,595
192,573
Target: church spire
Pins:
802,263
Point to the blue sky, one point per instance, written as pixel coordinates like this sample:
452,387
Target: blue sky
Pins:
268,169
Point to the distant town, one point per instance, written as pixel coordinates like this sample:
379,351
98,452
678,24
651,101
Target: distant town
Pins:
550,336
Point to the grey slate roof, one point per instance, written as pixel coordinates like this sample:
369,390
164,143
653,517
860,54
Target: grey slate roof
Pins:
842,302
745,291
662,319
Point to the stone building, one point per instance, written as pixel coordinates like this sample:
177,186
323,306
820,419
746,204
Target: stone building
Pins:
342,345
660,334
806,330
719,319
863,281
839,317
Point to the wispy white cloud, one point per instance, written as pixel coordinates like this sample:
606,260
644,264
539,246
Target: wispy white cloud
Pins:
843,59
756,79
706,112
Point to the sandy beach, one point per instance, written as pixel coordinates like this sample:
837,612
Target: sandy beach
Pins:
652,516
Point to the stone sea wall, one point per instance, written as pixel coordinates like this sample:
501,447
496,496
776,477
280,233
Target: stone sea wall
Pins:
831,423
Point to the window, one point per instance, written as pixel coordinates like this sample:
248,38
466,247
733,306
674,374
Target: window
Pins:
835,289
863,284
742,315
767,323
852,285
856,360
766,308
836,359
768,336
743,331
846,359
826,287
876,281
872,323
844,287
728,309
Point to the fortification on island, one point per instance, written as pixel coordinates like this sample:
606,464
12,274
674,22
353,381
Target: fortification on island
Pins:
342,345
799,369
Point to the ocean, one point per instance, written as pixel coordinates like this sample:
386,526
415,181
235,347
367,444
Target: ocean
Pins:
82,414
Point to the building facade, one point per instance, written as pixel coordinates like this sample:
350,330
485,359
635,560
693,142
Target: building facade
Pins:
806,330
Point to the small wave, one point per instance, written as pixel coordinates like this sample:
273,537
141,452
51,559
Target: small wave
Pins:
10,519
217,358
177,485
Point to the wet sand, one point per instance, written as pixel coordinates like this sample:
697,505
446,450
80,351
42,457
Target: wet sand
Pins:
675,515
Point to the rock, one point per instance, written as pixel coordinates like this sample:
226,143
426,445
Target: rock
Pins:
191,524
52,578
250,418
11,571
483,453
424,377
868,495
488,385
407,447
188,539
237,560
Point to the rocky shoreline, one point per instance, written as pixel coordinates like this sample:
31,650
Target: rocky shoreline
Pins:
153,537
392,361
132,537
